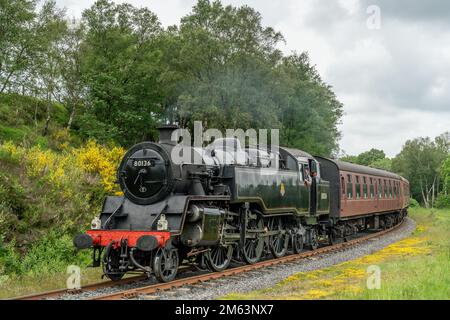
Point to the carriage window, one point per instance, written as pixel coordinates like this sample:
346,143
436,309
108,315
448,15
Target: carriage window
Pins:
380,189
343,186
390,189
365,187
358,188
385,189
372,189
349,186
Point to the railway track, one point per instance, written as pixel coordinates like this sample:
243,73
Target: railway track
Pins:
198,279
160,287
89,287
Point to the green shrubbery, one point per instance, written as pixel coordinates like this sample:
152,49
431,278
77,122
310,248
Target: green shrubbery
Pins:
443,201
22,118
413,203
46,196
52,253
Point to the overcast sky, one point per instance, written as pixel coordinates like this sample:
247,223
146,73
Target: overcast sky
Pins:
394,80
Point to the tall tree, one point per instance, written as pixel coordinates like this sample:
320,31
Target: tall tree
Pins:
49,29
122,70
69,66
226,58
16,39
420,162
310,110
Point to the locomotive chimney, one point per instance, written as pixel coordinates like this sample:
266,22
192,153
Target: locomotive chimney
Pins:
165,133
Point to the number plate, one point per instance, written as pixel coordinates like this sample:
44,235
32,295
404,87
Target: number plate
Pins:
142,163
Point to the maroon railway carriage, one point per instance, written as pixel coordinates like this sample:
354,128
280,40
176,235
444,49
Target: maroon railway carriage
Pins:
370,196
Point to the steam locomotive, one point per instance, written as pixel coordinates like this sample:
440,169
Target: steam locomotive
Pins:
233,206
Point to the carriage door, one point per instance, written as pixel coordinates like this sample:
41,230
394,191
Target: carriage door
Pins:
343,192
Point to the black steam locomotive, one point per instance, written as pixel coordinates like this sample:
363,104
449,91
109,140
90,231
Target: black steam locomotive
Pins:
220,209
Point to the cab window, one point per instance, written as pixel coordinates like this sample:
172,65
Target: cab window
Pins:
300,171
306,173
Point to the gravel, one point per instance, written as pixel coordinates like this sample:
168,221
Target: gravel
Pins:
258,279
268,277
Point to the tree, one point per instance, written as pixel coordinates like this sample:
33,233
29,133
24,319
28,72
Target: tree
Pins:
49,29
367,158
309,109
122,72
16,39
420,162
231,75
225,62
383,164
69,64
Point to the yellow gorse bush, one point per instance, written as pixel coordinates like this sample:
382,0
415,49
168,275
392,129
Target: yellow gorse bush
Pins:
11,149
62,169
93,158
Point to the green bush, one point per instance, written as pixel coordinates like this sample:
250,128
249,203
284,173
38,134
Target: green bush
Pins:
51,254
9,258
443,201
413,203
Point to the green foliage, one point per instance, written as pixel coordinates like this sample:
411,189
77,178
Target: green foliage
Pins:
52,253
120,74
443,201
369,158
16,28
420,162
22,118
383,164
445,173
19,110
374,158
413,203
121,65
231,75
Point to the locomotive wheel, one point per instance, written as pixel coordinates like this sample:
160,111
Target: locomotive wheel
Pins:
314,239
253,247
166,264
111,262
297,243
219,257
279,242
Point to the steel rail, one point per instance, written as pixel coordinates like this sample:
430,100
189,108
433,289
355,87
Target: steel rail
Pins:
86,288
155,288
